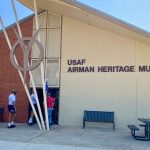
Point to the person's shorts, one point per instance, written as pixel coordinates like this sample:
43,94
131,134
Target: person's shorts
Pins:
11,109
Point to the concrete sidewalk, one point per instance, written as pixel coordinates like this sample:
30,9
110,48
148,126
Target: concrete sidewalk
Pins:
28,146
24,137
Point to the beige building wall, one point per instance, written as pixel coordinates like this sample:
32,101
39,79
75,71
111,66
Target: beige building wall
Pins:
143,80
126,93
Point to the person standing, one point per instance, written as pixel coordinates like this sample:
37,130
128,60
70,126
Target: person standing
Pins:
33,98
11,109
50,105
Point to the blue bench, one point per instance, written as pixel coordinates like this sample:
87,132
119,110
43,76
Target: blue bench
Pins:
98,116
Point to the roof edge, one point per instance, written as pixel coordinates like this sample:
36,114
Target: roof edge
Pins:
20,22
108,17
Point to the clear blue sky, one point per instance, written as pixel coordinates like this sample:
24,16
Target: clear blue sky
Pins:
136,12
6,11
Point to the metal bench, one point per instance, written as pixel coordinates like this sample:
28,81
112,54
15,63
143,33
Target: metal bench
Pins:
133,128
98,116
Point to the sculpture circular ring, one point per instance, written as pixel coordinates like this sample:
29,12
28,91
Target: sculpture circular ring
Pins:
12,54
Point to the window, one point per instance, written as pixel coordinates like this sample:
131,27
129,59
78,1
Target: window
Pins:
36,73
42,20
52,72
50,38
54,21
53,43
42,40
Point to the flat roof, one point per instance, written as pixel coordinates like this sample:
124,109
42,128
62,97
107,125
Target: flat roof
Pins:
91,16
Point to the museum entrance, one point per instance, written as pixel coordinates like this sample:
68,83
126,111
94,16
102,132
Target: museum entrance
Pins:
54,93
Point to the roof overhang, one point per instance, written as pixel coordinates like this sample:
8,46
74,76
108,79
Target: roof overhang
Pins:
91,16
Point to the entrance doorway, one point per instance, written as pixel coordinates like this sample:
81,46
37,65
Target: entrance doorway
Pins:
54,93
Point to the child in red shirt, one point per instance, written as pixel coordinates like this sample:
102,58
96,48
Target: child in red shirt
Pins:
50,105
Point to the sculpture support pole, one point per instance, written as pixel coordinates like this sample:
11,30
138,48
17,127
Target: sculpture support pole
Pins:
42,71
21,76
30,73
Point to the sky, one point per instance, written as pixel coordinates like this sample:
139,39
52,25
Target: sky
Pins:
135,12
6,11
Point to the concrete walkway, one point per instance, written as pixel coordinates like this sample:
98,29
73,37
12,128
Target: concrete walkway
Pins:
27,146
24,137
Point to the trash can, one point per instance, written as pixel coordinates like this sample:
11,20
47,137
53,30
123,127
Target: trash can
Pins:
1,113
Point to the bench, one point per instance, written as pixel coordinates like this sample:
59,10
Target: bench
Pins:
1,113
98,116
133,128
145,128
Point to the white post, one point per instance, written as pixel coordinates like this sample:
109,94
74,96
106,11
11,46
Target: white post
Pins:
42,71
21,76
30,73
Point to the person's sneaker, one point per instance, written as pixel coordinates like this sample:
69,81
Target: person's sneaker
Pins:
30,124
13,126
9,127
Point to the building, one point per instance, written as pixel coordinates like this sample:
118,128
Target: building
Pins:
92,61
9,76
